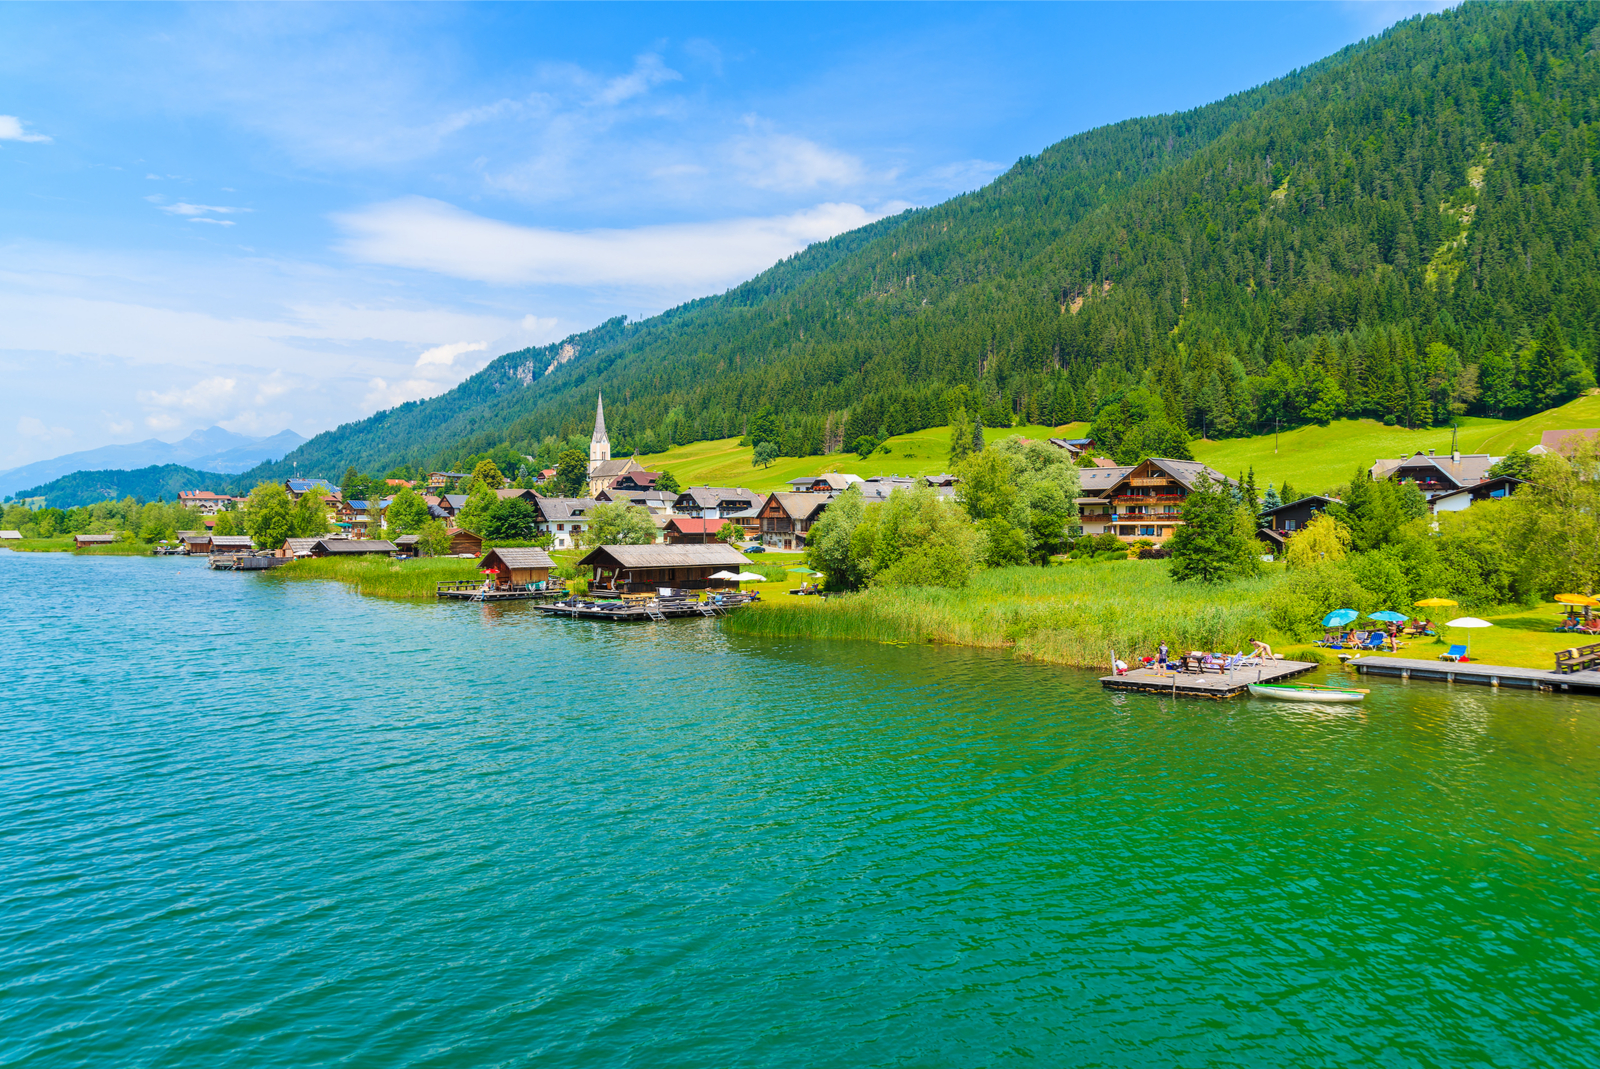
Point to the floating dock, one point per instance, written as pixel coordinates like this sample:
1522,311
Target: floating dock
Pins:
244,562
1484,675
1208,685
652,609
472,590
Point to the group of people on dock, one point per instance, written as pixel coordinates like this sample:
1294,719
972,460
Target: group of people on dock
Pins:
1197,660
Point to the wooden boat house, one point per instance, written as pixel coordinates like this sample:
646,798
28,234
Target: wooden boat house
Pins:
352,547
84,541
647,569
232,544
464,543
518,568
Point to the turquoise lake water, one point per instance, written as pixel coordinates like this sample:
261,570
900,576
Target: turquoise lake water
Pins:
248,822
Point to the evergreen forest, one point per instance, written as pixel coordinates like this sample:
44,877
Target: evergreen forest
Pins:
1407,230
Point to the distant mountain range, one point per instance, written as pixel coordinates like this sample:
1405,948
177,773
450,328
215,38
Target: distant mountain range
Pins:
210,450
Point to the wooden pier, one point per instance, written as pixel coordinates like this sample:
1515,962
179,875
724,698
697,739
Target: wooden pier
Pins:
243,562
1484,675
639,609
472,590
1204,685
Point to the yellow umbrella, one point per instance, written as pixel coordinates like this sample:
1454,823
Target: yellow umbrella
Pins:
1577,599
1432,603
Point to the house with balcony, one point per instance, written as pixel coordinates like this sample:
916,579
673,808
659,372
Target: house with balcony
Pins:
564,519
716,502
786,518
1436,474
1280,524
1147,501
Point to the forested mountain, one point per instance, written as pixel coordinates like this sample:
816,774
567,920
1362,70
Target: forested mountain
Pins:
160,482
1407,229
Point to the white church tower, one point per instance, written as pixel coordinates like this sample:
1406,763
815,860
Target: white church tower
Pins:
599,445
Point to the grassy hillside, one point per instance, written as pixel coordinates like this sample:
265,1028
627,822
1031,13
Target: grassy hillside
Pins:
1315,458
725,463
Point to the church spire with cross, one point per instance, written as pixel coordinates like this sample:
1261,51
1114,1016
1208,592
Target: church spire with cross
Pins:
599,444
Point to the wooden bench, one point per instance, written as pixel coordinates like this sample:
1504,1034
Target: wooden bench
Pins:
1578,658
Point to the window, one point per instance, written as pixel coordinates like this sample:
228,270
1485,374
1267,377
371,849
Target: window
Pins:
561,527
1288,525
1148,532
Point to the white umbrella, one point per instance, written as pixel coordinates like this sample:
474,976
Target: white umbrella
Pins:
1468,621
751,577
724,575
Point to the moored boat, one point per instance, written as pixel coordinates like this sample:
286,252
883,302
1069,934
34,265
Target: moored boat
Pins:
1306,692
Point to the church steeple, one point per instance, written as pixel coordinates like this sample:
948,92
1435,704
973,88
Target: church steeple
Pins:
599,444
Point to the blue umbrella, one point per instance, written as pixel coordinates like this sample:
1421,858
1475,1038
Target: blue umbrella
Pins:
1339,617
1388,617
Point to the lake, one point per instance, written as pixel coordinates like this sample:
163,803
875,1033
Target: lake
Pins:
249,822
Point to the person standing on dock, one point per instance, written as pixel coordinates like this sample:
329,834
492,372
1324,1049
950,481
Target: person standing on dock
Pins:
1161,656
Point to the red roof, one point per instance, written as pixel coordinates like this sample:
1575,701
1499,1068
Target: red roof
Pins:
696,524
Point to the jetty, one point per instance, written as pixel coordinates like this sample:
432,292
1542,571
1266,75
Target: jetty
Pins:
243,562
663,607
473,590
1483,675
1213,685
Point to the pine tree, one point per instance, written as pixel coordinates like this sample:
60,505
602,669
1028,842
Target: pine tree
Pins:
977,433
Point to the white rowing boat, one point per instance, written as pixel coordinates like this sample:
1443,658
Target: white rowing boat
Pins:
1306,692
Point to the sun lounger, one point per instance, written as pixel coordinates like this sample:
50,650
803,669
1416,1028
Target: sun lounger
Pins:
1374,641
1456,653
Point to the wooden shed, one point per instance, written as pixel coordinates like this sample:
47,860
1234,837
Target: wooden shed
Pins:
84,540
518,567
231,544
633,569
464,543
352,547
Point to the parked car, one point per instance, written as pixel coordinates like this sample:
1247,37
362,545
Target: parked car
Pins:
755,549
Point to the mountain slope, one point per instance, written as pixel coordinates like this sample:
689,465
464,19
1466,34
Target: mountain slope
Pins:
155,483
1405,229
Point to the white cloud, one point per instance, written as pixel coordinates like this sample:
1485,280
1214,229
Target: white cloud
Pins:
792,164
445,355
205,395
383,394
213,222
648,72
34,427
11,130
163,421
429,235
183,208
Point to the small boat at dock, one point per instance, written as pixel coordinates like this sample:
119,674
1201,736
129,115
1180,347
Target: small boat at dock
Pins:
1306,692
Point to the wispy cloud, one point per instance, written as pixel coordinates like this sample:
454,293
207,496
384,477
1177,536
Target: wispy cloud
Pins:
648,72
790,164
183,208
429,235
445,355
11,129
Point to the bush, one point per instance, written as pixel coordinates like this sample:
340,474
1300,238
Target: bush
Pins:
1154,553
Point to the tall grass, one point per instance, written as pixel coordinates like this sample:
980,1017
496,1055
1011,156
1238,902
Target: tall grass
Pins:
381,576
1074,614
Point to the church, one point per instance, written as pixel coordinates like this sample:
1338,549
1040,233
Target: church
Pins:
603,471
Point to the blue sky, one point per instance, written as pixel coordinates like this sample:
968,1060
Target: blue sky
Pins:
294,215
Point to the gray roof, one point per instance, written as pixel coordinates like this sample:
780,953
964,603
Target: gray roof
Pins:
564,508
407,540
1186,472
520,557
232,541
354,545
1299,501
1099,481
802,506
677,556
600,419
709,497
611,469
95,537
10,534
658,498
298,546
835,479
1470,468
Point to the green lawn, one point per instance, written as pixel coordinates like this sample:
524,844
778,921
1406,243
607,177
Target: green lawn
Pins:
1315,458
724,463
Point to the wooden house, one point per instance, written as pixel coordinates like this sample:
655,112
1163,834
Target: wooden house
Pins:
440,480
1278,525
360,517
639,569
1436,474
407,544
636,480
464,543
1147,502
786,518
518,568
1501,486
232,544
195,541
692,530
84,541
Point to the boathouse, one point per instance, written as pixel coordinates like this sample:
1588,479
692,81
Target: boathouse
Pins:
464,543
517,567
352,547
295,547
195,541
231,544
83,541
10,536
636,569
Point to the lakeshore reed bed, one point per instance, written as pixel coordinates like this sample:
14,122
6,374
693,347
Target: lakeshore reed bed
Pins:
381,576
1073,614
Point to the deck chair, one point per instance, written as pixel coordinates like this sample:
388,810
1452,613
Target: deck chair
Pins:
1374,641
1456,653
